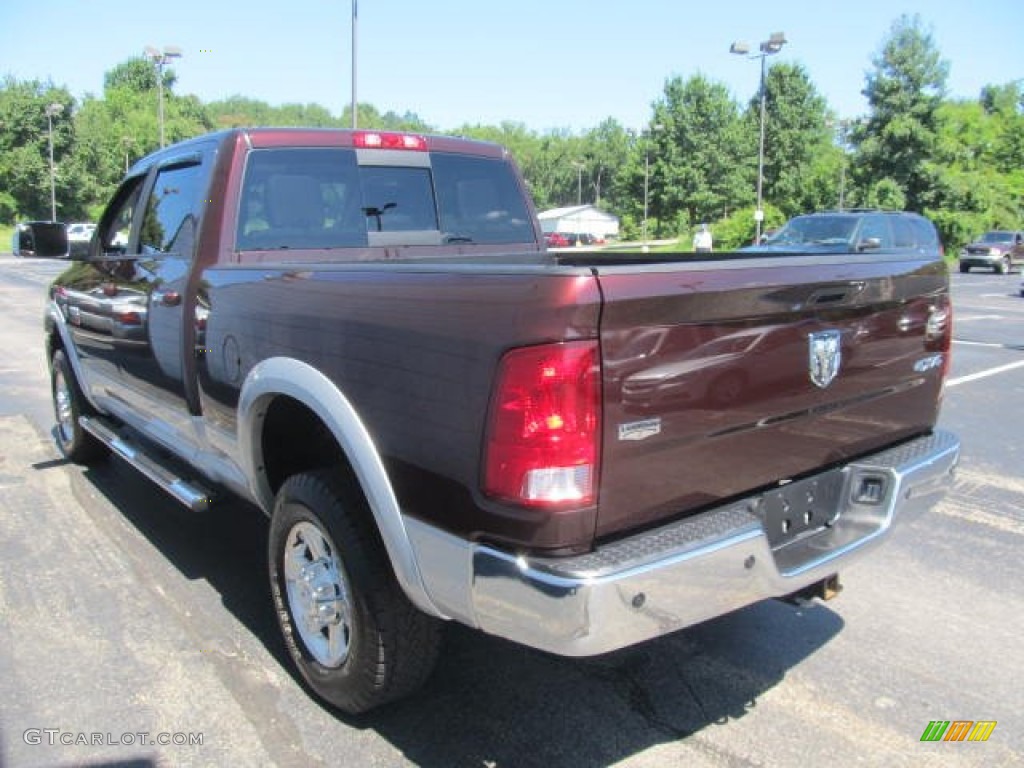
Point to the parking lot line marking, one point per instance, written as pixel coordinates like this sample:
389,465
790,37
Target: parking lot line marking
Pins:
967,343
984,374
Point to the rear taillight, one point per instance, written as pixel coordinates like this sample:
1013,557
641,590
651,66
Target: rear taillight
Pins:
388,140
544,430
939,332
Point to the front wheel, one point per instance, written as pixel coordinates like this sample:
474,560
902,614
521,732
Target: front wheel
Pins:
964,269
351,631
69,404
1003,267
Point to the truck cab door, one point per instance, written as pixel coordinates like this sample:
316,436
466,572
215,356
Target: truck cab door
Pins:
90,293
154,374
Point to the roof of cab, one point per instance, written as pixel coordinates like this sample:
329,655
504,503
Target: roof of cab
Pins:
315,137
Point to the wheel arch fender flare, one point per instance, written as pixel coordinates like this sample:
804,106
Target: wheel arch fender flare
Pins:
302,382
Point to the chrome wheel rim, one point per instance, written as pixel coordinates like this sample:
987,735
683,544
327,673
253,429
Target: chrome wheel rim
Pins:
62,406
318,594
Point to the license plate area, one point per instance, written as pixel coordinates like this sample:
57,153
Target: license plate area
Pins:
802,507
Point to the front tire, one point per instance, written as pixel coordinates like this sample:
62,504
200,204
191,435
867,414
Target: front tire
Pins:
69,404
350,630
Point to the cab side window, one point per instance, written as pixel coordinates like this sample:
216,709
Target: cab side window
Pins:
116,226
172,211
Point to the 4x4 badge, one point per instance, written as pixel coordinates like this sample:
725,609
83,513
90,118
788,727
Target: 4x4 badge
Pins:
825,356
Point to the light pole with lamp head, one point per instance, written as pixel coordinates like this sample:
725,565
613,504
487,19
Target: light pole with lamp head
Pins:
52,110
355,104
770,46
160,59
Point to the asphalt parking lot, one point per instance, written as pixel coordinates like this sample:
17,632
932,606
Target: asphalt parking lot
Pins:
126,619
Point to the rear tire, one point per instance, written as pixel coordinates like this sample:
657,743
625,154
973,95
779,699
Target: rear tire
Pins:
69,404
350,630
964,269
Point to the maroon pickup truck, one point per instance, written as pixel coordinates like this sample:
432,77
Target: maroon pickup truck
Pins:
363,333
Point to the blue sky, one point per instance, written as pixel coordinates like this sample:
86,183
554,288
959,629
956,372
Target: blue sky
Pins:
549,64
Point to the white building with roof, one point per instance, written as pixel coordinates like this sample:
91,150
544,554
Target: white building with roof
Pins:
579,218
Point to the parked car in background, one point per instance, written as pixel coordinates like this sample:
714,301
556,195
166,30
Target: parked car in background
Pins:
41,239
854,231
79,235
557,240
999,250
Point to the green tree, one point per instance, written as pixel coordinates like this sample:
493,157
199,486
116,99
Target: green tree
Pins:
697,137
131,102
979,181
904,91
137,74
605,152
25,150
547,161
239,112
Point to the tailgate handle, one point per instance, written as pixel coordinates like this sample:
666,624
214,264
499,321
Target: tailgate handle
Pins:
835,294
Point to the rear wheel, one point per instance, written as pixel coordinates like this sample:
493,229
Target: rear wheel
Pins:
69,404
964,268
352,633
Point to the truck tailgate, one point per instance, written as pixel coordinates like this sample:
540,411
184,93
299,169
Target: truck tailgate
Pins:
723,377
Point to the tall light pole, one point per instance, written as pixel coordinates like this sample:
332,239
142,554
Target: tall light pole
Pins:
160,59
579,183
355,104
843,127
646,136
127,141
770,46
52,110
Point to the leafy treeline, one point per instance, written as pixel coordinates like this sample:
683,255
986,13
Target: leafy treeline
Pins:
959,162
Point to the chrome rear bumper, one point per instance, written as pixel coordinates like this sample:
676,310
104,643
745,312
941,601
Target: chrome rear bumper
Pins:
679,574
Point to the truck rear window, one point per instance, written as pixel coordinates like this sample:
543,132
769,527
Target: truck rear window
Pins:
322,198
